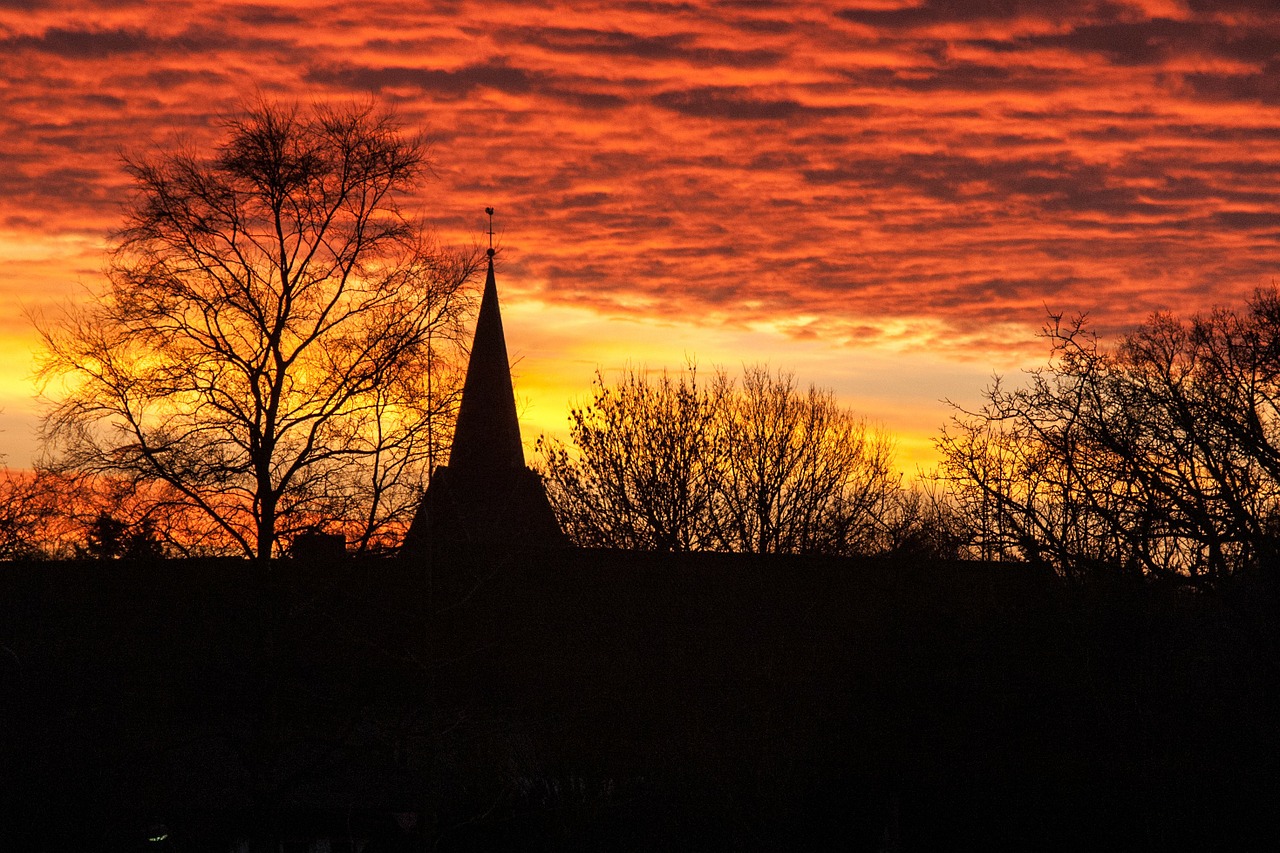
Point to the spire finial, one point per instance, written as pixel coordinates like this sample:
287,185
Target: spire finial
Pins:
489,210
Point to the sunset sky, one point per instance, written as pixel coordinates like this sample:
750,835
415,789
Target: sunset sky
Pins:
884,196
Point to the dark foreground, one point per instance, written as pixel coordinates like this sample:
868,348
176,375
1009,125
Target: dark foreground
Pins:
600,700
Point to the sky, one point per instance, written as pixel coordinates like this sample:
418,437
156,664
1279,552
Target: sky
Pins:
887,198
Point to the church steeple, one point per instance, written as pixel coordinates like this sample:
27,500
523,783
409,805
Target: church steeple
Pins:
487,435
485,498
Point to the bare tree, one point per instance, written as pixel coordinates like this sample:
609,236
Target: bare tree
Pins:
1158,457
264,343
669,464
922,521
642,476
798,473
33,524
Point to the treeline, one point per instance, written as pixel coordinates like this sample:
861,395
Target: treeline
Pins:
46,515
1156,457
679,462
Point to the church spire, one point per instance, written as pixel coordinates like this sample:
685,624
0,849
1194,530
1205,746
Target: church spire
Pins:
487,435
485,497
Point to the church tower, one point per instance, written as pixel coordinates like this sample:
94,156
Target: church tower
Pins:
485,497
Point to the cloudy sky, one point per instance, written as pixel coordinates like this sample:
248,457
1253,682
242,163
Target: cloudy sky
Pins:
886,196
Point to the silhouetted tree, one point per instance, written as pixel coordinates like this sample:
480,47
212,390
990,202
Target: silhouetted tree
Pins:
1158,457
110,538
643,475
666,463
105,538
922,521
797,473
29,515
277,337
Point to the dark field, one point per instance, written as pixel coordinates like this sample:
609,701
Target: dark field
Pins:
607,700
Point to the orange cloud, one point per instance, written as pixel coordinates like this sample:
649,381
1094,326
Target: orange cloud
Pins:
867,178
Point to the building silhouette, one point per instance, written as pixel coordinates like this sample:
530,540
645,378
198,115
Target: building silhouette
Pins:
486,497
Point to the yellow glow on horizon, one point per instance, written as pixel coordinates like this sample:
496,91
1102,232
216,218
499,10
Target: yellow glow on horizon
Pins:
556,351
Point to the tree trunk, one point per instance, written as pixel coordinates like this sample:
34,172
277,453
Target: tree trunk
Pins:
266,529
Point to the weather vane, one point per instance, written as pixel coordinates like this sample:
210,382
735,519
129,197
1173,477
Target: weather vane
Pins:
489,210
